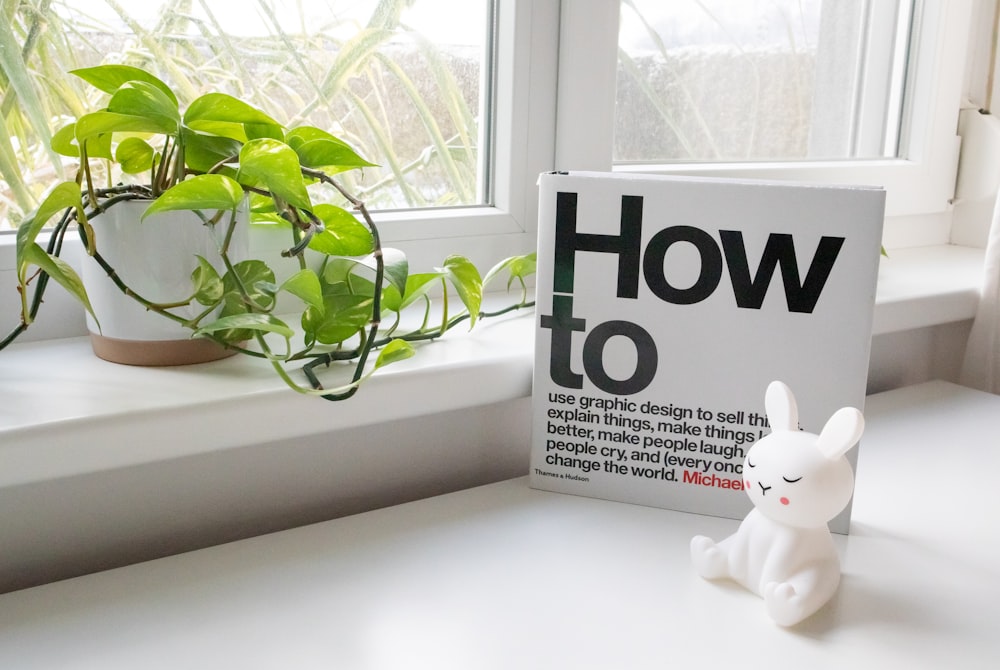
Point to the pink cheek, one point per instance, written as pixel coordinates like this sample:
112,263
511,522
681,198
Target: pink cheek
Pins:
784,501
746,485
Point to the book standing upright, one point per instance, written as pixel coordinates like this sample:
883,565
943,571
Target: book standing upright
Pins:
666,305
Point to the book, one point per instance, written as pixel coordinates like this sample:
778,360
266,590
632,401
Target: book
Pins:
666,305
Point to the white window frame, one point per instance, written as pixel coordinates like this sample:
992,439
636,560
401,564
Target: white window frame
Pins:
919,185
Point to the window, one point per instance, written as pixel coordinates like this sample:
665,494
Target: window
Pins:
554,87
519,93
759,80
911,147
506,61
845,63
401,85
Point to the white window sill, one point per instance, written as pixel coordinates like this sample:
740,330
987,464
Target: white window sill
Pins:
927,286
65,412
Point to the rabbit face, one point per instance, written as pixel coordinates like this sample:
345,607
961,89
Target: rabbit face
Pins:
790,481
796,478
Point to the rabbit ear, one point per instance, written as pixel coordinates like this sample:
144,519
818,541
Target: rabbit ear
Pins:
841,432
779,403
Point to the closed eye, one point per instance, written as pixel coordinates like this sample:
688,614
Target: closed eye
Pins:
791,481
750,464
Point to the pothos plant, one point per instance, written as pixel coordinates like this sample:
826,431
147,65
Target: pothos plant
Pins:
212,158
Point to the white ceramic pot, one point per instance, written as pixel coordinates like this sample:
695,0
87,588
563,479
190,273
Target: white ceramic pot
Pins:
155,258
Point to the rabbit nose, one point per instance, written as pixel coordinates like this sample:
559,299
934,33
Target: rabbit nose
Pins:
763,489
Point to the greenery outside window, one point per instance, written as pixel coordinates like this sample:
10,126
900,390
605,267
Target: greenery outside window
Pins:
760,80
389,76
914,156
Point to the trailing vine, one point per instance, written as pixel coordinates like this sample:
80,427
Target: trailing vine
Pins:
217,158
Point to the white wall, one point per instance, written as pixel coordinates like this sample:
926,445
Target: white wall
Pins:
913,356
72,526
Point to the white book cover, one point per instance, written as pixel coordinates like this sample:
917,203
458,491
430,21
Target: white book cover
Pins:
666,305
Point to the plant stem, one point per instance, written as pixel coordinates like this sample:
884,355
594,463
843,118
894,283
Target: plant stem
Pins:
368,342
228,239
444,307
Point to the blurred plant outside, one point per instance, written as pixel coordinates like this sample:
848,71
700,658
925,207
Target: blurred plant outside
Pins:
743,80
384,75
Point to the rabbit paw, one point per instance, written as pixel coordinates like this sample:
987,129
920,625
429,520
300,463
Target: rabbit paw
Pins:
783,603
708,559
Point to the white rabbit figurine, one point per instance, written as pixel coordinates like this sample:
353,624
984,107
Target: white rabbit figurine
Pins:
797,481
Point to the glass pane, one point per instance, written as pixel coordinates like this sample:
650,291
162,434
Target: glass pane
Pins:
391,77
759,80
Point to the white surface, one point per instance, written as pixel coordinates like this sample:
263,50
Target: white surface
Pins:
926,286
507,577
63,411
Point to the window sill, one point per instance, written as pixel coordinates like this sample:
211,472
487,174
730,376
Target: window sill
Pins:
64,412
927,286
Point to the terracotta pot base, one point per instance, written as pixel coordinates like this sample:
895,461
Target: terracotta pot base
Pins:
159,352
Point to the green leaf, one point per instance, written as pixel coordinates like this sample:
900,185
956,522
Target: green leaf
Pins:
395,351
344,234
63,196
208,285
225,116
464,276
339,276
225,108
203,152
275,166
257,278
361,286
98,123
397,267
59,270
327,155
520,267
99,146
206,191
138,98
109,78
342,316
258,281
338,270
247,322
301,134
135,155
255,131
64,141
306,286
232,131
417,286
395,264
319,149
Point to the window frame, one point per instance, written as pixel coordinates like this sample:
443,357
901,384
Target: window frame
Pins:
920,184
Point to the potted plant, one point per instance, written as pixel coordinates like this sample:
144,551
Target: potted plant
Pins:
226,164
